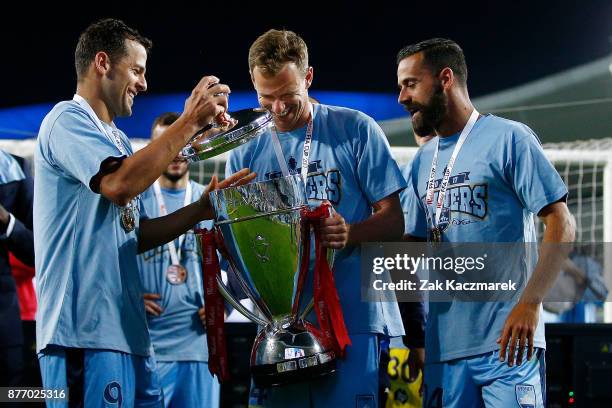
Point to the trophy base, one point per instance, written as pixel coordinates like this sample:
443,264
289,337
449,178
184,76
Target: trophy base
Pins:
289,354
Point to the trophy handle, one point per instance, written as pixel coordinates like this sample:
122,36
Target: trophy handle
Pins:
237,305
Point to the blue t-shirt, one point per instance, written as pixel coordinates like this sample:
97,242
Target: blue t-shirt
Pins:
350,165
10,170
88,288
501,178
177,334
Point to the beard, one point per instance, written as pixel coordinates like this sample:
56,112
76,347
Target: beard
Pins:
431,114
174,177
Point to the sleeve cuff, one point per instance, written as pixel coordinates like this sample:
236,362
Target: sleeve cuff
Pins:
9,228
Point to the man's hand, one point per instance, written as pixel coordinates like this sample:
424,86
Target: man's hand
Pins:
151,305
4,215
239,178
202,314
520,327
334,231
416,364
207,103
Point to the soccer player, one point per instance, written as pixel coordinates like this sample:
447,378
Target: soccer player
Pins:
476,350
349,165
89,221
172,279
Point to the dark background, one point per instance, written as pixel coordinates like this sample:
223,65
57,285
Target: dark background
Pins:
352,45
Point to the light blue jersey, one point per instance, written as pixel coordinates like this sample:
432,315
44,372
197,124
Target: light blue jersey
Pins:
177,334
350,165
88,287
500,179
10,170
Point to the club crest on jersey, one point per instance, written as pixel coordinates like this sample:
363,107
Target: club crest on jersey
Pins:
525,395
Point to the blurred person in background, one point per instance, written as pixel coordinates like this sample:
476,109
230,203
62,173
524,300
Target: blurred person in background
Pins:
16,198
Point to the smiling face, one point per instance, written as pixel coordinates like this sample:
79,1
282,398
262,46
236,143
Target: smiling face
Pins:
284,95
421,94
125,79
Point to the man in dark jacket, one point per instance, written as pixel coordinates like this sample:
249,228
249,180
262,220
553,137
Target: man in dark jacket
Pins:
16,197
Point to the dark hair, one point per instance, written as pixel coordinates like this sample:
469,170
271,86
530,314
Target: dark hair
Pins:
107,35
273,49
439,53
165,119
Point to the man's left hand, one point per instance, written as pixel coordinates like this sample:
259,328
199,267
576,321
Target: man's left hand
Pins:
334,231
519,328
4,215
239,178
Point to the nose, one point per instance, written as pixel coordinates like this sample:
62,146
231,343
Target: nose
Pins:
141,85
404,97
278,107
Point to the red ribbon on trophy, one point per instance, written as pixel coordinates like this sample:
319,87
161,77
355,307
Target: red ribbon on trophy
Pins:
326,302
215,308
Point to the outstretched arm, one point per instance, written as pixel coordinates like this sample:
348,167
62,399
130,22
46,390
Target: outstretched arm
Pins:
522,321
158,231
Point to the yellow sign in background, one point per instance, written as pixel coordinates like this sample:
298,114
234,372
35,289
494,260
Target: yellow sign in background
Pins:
402,393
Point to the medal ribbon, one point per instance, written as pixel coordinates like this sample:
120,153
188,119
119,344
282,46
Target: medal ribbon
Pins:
175,255
215,329
326,301
131,206
449,168
115,137
305,152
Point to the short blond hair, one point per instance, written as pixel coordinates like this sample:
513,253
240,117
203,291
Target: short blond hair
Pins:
275,48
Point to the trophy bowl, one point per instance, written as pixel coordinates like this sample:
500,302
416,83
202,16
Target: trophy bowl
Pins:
212,140
262,237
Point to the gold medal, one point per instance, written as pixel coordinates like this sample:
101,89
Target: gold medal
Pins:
176,274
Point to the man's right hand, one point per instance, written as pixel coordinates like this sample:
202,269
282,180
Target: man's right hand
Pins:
151,305
208,102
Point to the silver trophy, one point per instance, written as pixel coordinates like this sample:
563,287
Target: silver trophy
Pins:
263,236
263,239
213,139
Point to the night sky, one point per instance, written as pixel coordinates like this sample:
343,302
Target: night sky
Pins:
351,48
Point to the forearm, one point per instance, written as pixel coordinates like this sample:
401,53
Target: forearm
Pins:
21,243
140,170
555,247
158,231
386,224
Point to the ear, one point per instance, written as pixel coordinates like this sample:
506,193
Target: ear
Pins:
102,63
446,77
309,76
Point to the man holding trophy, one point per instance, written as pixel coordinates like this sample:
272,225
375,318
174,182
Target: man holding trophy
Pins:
346,163
89,222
